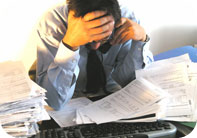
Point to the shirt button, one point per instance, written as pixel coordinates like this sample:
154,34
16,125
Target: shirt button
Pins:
74,60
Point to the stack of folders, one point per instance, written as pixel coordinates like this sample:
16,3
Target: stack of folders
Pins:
22,101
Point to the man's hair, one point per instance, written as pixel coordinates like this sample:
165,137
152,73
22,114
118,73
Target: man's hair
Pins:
82,7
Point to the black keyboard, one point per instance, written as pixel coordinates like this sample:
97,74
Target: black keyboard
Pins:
112,130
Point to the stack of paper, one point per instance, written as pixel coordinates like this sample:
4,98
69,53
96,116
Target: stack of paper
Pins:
178,77
22,101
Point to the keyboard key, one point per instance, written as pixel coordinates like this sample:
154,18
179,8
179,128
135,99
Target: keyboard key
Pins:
61,134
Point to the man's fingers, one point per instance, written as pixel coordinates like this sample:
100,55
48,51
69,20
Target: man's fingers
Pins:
99,22
92,15
107,27
121,27
120,23
124,39
120,31
101,36
132,22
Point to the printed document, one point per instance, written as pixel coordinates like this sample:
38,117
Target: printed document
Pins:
22,101
174,80
137,96
14,83
67,115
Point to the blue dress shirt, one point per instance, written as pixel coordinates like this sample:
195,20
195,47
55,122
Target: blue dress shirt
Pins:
62,71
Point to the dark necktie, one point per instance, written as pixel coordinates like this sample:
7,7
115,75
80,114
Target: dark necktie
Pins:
96,78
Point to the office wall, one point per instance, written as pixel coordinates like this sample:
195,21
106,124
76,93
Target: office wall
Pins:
18,20
170,23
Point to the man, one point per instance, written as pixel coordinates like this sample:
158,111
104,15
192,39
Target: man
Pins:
71,31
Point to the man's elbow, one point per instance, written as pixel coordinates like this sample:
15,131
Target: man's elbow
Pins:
56,105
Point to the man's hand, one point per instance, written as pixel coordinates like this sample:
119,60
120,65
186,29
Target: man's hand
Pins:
126,30
92,27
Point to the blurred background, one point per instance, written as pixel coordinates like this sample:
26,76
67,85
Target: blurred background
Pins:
170,24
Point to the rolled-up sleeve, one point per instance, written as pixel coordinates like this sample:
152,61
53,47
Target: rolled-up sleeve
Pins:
57,66
58,74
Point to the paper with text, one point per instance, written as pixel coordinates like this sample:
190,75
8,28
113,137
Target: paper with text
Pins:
173,79
14,83
135,97
170,61
67,115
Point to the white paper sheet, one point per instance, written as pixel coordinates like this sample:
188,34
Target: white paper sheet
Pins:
173,79
132,99
170,61
14,83
67,115
3,134
22,101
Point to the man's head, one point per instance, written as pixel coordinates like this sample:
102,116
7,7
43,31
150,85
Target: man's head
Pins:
82,7
107,13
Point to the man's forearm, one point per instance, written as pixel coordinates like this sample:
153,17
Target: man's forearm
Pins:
125,69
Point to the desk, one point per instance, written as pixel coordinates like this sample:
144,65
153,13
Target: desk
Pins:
182,129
